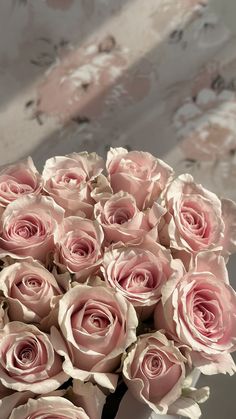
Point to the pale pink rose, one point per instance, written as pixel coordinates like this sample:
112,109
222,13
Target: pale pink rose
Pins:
28,226
154,371
138,173
96,326
78,247
48,408
196,219
122,221
199,310
139,273
28,360
68,179
19,179
29,289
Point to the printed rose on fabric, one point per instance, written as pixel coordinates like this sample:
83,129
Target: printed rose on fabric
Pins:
68,180
78,247
29,289
19,179
28,226
138,173
28,360
154,371
48,407
96,326
200,311
139,273
122,221
206,126
196,220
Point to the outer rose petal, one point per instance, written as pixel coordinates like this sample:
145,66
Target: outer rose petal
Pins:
46,407
89,397
146,184
101,189
210,262
187,405
217,364
8,403
4,319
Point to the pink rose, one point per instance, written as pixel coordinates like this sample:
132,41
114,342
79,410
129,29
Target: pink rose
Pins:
68,179
48,408
138,273
196,220
19,179
122,221
78,247
28,360
96,325
29,289
199,310
138,173
28,226
154,371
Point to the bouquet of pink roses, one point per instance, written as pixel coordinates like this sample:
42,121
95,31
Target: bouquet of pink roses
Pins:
110,282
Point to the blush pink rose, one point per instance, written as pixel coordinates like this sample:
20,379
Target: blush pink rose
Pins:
96,326
154,371
28,360
19,179
138,273
49,407
138,173
122,221
78,247
29,289
28,226
68,179
199,311
196,219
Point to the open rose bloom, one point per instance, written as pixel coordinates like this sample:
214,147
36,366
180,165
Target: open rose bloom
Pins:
111,280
